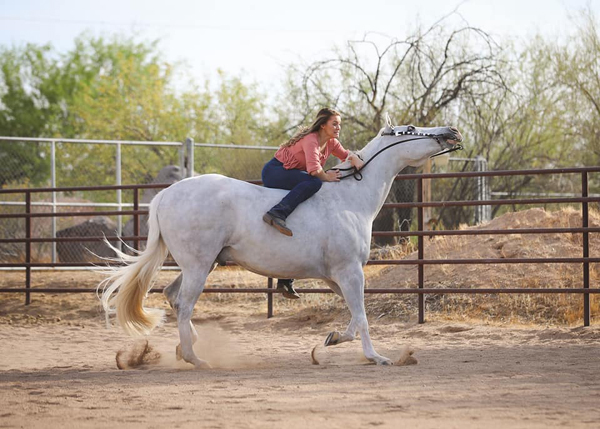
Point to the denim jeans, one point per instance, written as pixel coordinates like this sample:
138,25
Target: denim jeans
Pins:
300,184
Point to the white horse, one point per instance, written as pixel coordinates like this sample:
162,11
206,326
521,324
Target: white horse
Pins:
209,219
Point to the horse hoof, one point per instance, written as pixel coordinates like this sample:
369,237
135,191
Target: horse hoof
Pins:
380,360
201,364
178,354
332,339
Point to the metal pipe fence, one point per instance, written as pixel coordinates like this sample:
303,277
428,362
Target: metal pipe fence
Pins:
585,290
61,162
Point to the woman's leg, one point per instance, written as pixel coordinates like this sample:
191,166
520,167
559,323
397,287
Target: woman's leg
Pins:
301,185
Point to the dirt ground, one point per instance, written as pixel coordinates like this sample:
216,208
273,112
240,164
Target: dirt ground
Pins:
58,369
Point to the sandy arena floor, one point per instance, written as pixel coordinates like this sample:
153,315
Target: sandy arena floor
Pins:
57,369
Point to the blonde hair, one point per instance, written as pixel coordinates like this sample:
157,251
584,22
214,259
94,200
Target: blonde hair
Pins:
322,118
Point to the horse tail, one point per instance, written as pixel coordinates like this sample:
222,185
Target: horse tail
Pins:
133,280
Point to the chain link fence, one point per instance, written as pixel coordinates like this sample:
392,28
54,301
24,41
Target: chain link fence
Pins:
68,162
37,162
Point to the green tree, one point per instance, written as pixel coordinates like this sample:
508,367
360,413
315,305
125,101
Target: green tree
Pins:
26,110
578,71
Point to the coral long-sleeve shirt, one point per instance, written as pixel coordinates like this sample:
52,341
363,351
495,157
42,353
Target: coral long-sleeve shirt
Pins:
306,155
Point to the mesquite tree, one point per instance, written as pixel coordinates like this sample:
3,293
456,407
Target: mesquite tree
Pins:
424,79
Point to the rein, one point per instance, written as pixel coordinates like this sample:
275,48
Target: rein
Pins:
419,136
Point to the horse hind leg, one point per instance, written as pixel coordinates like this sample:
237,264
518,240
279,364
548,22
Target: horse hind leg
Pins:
171,292
191,287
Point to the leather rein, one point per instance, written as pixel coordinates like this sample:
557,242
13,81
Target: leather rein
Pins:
356,173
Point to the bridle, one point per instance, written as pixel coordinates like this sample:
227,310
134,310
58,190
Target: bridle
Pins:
418,136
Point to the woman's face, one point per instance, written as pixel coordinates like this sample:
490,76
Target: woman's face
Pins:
332,127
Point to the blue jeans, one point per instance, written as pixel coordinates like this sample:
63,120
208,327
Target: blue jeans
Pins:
300,184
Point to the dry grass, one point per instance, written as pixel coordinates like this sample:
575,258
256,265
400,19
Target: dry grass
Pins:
562,309
543,309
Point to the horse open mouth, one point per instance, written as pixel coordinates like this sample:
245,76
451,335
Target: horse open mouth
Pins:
454,137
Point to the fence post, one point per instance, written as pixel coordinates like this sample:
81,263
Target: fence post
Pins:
119,197
182,159
136,220
482,213
189,145
28,247
586,249
270,299
53,184
421,250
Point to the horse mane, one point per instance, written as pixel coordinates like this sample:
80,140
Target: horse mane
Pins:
364,153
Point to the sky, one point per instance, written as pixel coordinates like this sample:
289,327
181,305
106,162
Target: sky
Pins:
255,39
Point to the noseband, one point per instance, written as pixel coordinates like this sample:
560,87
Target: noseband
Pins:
356,173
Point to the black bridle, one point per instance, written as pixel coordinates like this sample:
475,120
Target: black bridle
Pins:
356,173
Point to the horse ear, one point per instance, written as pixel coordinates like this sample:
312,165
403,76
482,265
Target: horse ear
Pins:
388,121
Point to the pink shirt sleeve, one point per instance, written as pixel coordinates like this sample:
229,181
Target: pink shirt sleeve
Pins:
338,150
310,147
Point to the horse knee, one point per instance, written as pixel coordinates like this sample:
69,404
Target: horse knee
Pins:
359,322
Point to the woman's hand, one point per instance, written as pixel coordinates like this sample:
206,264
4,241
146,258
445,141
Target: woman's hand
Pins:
327,176
333,175
356,162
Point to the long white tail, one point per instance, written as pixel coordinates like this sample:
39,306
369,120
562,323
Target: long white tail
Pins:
133,280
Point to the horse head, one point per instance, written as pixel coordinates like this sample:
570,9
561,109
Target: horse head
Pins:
411,146
420,143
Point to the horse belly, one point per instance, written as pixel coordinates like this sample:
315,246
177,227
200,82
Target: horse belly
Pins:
274,263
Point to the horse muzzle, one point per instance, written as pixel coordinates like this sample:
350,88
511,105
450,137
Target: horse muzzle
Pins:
453,136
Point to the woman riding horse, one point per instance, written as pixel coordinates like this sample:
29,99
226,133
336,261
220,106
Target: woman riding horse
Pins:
298,167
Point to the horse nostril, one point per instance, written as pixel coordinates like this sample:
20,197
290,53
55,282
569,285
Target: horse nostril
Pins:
457,135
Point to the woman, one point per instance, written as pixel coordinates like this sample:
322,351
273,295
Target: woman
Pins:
298,167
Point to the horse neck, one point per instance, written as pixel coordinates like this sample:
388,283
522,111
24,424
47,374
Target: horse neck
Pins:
379,175
371,192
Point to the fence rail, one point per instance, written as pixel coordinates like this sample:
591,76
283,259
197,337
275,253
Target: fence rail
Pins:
420,233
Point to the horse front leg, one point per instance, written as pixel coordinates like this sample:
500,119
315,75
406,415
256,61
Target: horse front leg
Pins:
352,284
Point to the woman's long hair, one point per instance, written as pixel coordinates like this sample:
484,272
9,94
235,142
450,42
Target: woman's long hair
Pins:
322,118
